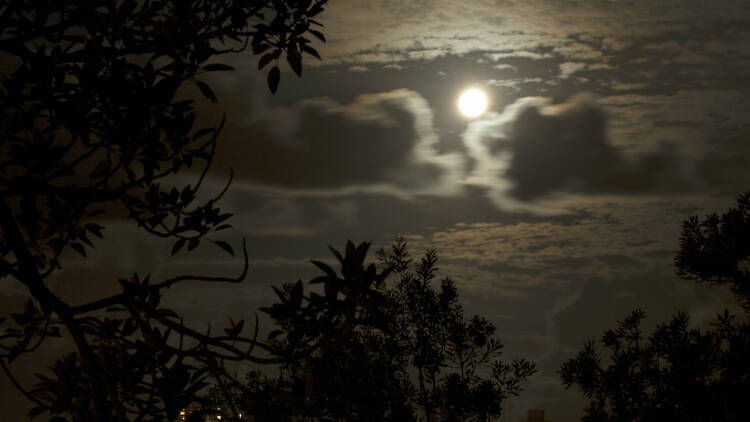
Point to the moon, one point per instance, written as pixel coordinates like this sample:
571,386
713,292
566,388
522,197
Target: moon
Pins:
472,103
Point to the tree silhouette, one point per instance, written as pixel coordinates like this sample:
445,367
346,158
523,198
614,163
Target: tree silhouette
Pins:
360,351
716,250
678,373
91,123
459,372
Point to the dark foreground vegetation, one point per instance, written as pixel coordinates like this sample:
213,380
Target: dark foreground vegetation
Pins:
679,373
356,349
92,128
91,123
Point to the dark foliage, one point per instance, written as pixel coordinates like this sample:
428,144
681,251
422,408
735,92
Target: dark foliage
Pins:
90,123
359,351
716,250
678,373
456,359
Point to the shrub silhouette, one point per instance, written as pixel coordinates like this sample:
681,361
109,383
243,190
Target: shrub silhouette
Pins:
91,123
678,373
358,350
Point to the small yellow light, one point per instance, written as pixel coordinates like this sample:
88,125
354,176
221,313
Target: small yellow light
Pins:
218,417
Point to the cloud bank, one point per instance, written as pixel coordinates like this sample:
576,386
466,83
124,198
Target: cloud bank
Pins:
383,142
535,149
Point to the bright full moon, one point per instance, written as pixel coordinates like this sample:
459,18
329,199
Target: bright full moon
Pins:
472,103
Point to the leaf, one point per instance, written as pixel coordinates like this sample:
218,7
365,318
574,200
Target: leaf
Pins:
206,91
260,47
266,310
280,294
220,219
177,246
193,243
317,34
94,213
273,79
331,290
94,228
86,240
217,67
328,270
319,280
186,195
362,251
203,132
336,254
311,51
295,62
224,245
78,248
265,60
296,296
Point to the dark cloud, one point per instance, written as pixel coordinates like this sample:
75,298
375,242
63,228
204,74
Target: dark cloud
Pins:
564,149
536,148
385,139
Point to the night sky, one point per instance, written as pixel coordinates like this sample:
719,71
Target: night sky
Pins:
557,211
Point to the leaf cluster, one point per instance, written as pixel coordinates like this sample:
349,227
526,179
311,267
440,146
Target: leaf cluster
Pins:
457,360
94,126
678,372
359,350
716,250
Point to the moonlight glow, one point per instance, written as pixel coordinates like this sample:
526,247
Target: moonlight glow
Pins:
472,103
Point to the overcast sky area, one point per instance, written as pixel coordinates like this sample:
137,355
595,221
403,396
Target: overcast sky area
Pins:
557,212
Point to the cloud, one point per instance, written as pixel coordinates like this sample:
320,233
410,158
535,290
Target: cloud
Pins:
551,284
578,31
569,68
606,238
384,141
260,214
495,57
626,86
359,69
536,148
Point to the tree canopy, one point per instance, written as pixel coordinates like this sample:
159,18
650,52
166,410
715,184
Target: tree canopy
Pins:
90,122
678,373
355,349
